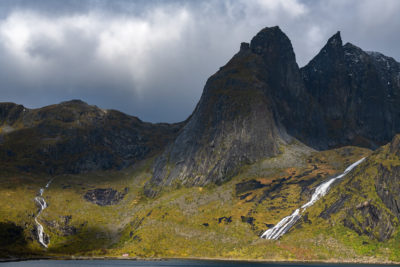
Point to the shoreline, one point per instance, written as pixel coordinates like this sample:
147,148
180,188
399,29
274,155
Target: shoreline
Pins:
267,261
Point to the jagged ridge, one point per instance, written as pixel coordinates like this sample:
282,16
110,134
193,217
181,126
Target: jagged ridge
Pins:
358,94
260,98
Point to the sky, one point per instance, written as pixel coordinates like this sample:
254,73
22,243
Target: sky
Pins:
151,59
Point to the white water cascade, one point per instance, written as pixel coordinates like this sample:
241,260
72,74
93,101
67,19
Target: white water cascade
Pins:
286,223
42,205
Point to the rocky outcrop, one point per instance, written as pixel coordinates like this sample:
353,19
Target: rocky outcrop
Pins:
105,196
74,137
387,186
394,147
335,207
371,220
63,226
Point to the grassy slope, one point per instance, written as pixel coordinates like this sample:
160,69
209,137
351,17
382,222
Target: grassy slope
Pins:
184,222
361,186
175,225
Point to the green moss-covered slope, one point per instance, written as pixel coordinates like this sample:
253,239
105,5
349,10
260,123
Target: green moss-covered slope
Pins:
211,222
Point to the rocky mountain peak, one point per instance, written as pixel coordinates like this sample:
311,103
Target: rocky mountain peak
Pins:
335,40
235,121
268,39
260,98
273,45
357,93
331,54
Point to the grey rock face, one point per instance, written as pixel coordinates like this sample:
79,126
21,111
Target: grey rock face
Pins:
376,223
358,94
394,147
105,196
335,207
236,121
388,187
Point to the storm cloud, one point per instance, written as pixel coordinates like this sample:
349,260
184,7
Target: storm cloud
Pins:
151,59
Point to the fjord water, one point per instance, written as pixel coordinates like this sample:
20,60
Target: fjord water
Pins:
170,263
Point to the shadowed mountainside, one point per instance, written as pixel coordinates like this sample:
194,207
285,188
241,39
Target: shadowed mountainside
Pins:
74,137
358,94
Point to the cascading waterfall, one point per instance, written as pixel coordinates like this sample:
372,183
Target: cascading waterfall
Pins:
42,205
286,223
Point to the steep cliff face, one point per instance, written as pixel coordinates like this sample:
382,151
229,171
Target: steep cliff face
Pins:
235,121
260,98
74,137
358,94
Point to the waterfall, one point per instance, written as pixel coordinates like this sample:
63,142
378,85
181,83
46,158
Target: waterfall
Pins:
286,223
42,205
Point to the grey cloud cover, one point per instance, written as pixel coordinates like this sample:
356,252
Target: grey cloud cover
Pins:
151,59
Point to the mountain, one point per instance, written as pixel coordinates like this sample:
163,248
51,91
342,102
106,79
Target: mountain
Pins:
261,99
263,140
74,137
241,115
358,94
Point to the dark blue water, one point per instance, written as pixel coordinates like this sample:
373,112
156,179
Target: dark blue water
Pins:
168,263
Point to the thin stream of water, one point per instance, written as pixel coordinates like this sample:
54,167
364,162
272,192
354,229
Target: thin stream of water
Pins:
42,205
